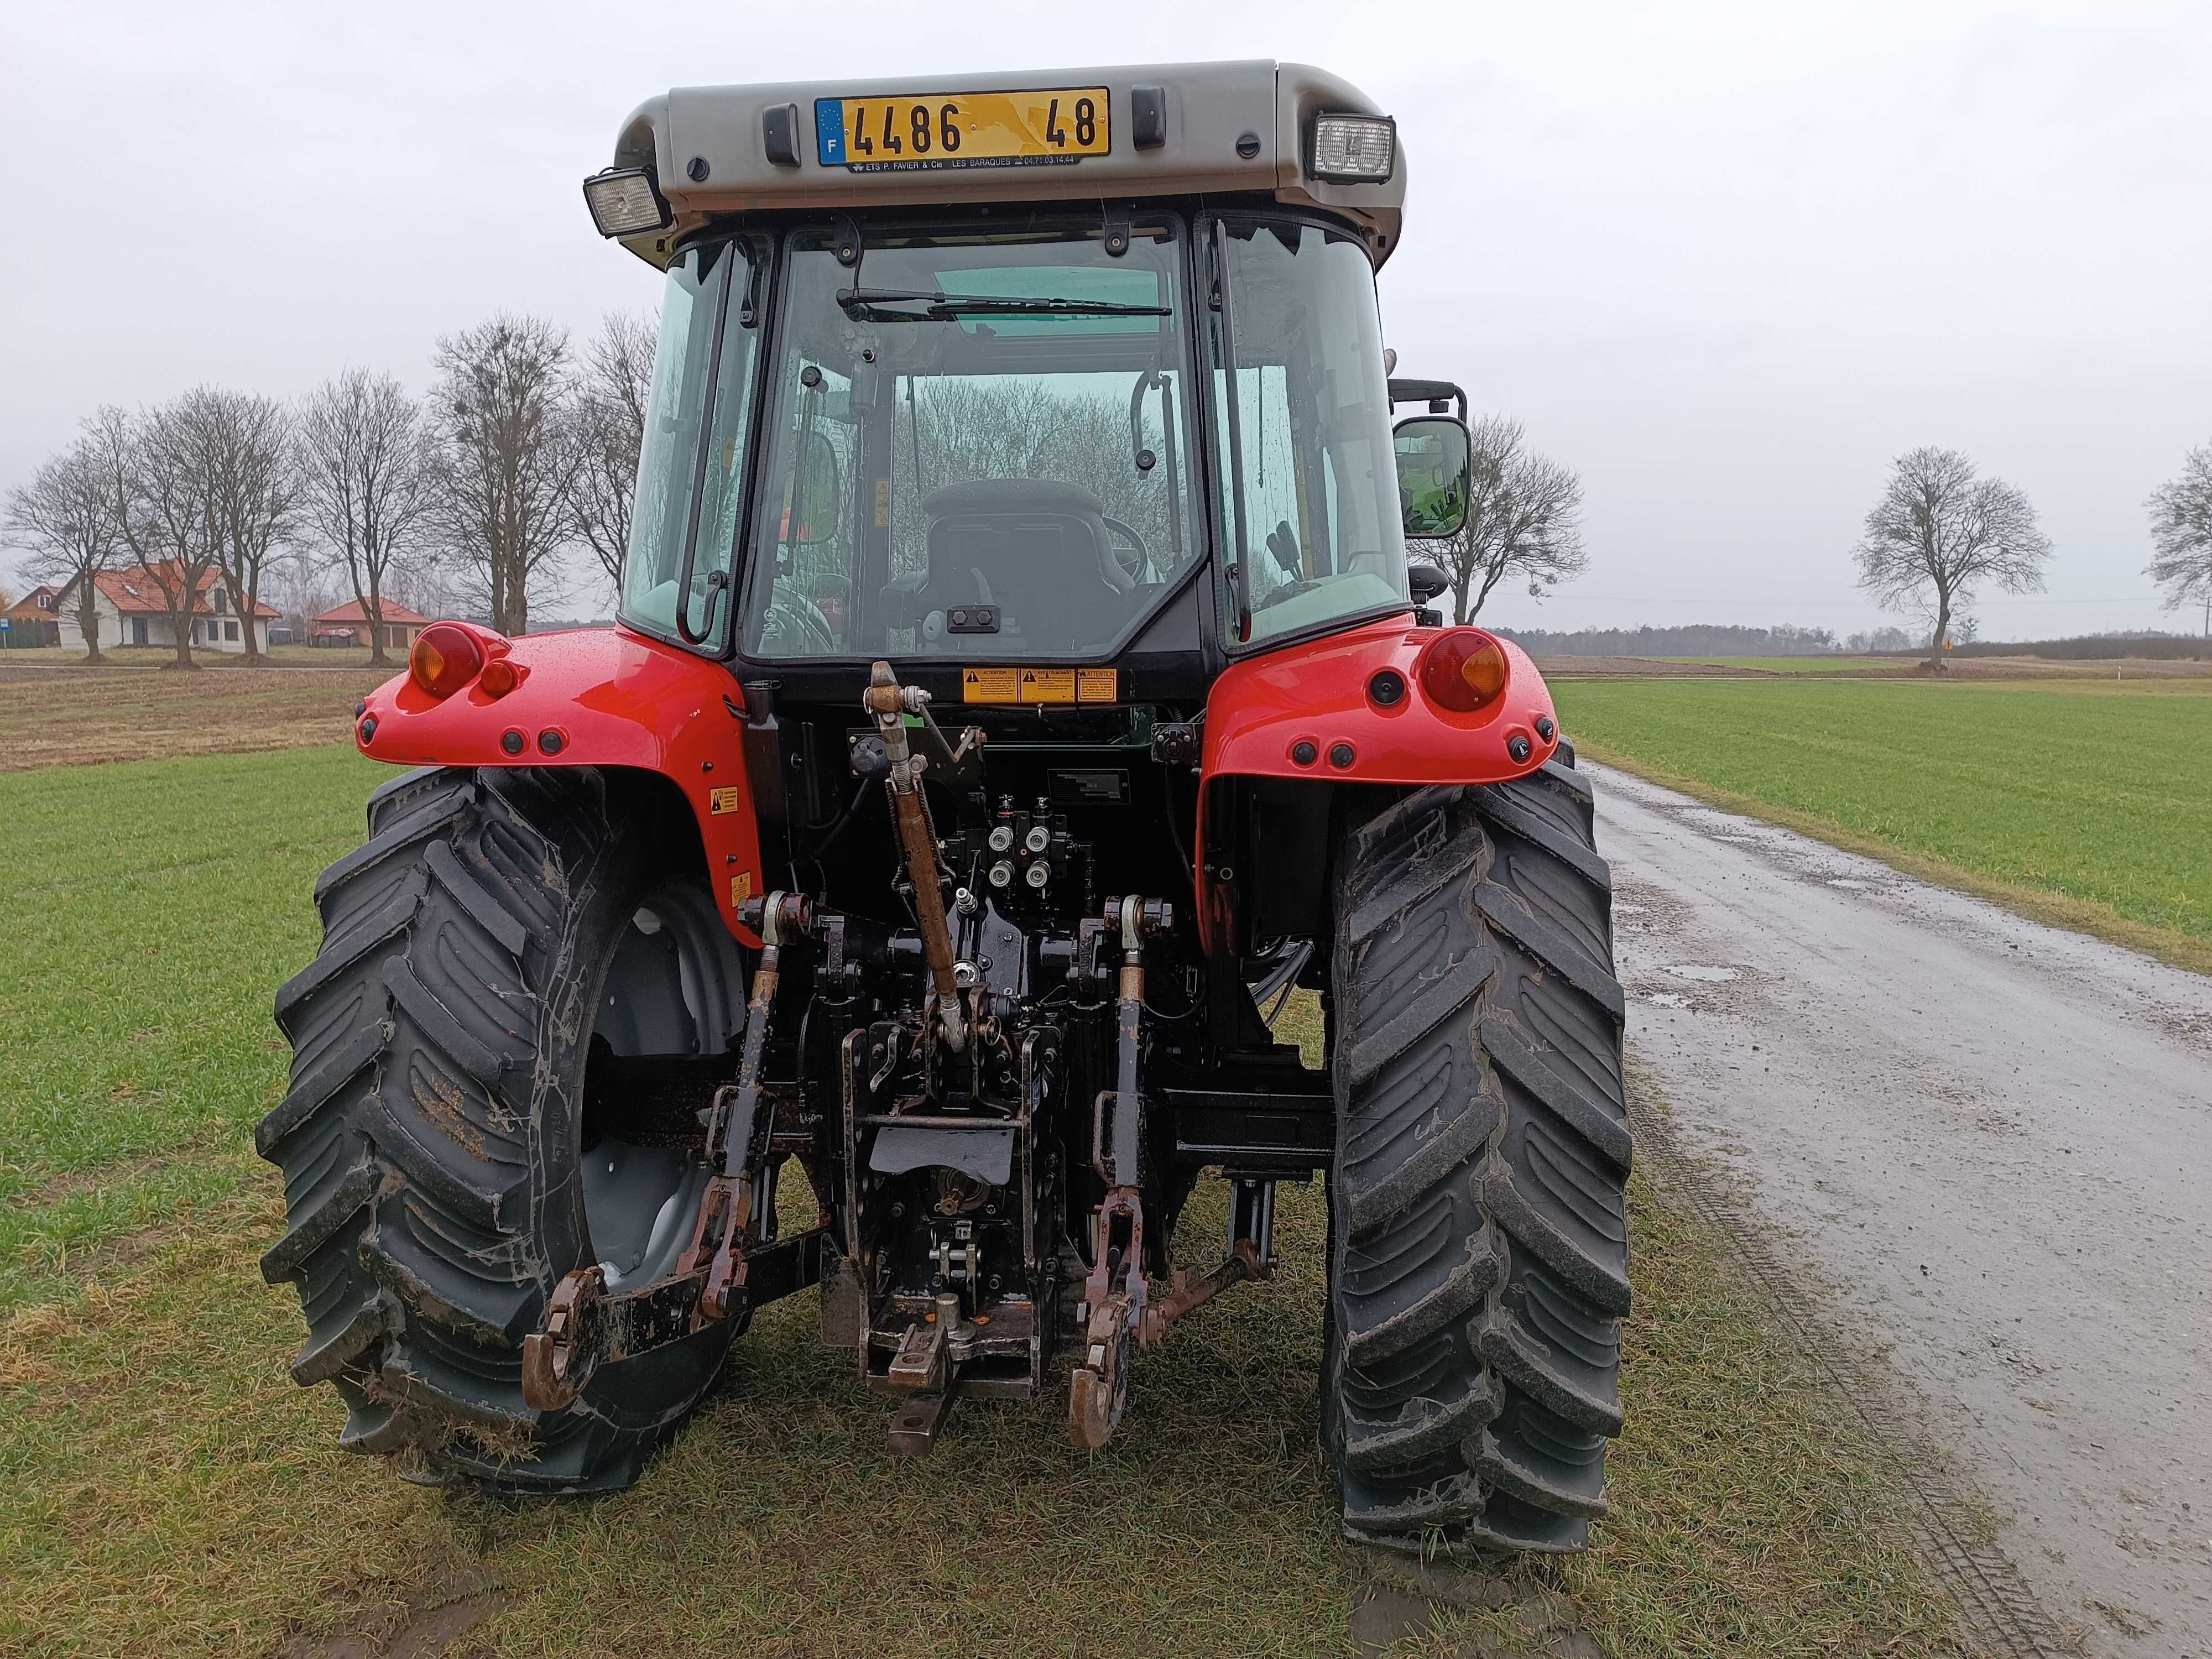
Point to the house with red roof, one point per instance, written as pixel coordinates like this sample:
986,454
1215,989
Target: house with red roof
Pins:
349,624
133,610
34,619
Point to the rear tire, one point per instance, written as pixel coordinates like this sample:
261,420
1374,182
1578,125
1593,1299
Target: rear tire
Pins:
1479,1253
496,926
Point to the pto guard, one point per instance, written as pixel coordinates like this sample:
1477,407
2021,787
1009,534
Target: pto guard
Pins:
593,696
1268,714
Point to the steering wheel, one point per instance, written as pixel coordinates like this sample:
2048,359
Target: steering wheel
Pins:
1136,566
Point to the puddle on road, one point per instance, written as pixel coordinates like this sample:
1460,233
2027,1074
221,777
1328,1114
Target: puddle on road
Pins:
1701,975
1666,999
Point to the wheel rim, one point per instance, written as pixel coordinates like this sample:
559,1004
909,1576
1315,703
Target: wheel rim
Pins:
672,991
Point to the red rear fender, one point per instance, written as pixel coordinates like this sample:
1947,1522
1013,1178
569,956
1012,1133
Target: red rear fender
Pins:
594,697
1312,711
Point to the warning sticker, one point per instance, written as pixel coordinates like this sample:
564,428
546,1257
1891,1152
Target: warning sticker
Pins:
1047,685
731,800
883,503
989,685
1097,685
741,888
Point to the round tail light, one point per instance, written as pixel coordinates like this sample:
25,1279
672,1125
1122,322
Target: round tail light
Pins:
445,658
1463,669
499,677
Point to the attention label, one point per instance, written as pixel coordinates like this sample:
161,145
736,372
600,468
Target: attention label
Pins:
1040,685
989,685
731,800
1047,685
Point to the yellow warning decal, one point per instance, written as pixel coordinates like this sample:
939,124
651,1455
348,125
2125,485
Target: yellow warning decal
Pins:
1047,685
989,685
741,888
731,800
1097,685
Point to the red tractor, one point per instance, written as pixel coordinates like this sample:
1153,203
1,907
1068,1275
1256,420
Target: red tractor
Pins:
1021,684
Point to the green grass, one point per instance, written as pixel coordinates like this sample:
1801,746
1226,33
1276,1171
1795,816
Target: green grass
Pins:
165,1489
2094,797
152,909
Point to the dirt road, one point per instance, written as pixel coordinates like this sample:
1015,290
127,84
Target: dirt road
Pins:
1994,1140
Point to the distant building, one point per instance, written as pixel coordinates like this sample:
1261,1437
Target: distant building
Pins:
34,619
133,610
347,624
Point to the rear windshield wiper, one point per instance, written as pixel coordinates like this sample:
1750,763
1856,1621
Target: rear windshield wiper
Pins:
941,306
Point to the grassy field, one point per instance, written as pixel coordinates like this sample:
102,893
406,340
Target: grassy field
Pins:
165,1489
2087,802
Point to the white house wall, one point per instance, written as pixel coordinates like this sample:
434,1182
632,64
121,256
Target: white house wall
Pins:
115,629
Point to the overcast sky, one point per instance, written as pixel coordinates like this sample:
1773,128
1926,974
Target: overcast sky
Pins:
1725,261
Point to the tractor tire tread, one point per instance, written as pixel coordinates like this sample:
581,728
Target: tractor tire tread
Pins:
1478,1267
410,1135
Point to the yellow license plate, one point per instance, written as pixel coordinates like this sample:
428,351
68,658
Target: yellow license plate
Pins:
957,130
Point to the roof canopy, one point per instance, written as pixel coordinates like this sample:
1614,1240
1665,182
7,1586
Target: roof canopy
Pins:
1168,129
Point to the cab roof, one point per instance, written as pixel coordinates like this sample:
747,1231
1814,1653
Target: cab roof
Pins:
1206,129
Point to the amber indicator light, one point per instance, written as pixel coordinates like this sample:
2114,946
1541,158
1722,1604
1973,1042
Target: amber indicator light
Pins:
445,658
1463,669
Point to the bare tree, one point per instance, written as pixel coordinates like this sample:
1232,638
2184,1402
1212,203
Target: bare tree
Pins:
607,415
367,477
1522,519
155,468
504,447
61,520
2181,536
1939,532
253,490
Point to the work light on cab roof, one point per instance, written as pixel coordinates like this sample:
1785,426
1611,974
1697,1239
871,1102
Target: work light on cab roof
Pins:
1054,404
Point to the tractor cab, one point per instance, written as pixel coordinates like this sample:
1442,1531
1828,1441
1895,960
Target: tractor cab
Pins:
949,383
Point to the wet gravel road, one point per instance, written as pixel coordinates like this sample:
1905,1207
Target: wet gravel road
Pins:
1994,1140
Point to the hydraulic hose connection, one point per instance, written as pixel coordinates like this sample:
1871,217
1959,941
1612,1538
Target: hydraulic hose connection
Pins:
889,703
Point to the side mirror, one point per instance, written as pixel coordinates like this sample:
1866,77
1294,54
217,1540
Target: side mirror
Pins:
1432,475
1425,581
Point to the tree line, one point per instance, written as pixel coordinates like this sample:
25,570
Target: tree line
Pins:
524,451
1690,640
1941,533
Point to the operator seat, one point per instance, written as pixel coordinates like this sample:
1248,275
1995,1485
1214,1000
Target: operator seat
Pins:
1037,550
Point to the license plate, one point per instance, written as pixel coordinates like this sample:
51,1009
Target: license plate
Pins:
954,130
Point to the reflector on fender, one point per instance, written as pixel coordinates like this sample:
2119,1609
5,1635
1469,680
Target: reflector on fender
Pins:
1463,669
445,658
